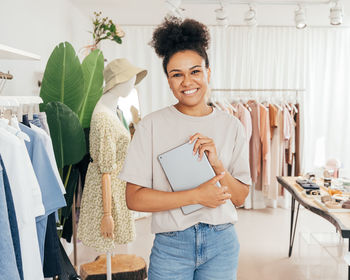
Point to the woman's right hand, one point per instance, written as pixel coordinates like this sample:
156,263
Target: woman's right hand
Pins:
210,195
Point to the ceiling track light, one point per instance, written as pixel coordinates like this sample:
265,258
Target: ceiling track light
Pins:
221,15
300,17
250,17
336,13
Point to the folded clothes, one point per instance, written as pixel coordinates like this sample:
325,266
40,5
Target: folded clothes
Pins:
307,184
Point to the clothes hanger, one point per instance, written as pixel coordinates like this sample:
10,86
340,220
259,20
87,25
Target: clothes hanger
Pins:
261,101
245,101
230,106
4,123
275,102
216,105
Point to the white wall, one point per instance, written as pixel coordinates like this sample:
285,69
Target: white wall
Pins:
37,27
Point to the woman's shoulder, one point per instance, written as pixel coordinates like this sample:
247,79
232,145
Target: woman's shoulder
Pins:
227,118
154,116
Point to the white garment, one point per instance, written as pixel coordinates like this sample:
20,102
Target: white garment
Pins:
27,201
50,153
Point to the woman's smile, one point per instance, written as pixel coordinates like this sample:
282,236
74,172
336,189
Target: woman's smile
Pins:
190,92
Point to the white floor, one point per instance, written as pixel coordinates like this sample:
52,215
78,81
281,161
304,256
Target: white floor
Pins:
264,239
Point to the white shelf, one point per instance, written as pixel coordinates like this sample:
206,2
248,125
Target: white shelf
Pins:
7,52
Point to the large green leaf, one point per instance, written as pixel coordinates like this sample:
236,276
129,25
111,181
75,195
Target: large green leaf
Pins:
63,79
92,67
70,190
67,135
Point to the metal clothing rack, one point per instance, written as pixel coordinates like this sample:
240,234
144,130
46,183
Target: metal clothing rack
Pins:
253,91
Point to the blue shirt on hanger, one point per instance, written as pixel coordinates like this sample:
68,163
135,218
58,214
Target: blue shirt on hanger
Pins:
52,196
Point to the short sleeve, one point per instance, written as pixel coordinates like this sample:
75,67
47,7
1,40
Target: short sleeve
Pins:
107,155
239,164
137,167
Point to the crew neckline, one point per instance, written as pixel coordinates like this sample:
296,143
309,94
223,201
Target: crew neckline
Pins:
193,118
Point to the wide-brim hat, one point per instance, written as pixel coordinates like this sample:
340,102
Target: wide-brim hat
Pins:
119,71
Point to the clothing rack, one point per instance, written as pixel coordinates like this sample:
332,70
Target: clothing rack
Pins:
297,92
250,90
286,96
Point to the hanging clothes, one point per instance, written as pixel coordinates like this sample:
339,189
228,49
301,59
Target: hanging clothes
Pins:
277,146
274,134
27,200
50,186
255,142
11,260
265,137
243,115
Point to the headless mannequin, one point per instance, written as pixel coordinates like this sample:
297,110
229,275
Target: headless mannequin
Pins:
108,104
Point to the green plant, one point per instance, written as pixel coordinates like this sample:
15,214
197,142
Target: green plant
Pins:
70,91
104,28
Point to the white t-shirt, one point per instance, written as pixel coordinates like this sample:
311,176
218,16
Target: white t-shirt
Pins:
165,129
27,200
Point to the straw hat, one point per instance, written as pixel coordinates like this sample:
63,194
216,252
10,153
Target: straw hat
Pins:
119,71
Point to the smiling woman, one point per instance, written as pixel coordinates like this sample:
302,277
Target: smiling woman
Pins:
202,244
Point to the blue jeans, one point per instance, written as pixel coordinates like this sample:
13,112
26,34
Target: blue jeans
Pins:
201,252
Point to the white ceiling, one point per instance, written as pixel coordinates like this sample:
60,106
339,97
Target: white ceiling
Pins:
152,12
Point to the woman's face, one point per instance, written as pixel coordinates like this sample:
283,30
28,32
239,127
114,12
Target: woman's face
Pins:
188,78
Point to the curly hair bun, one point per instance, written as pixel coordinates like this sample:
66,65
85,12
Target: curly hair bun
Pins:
174,35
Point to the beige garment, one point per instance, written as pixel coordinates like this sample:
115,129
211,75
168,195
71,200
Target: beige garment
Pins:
273,113
243,115
277,150
109,142
255,143
266,146
167,128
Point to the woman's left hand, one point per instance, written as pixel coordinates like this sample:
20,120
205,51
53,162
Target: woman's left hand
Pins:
205,145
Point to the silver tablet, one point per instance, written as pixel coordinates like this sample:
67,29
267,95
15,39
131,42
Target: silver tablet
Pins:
185,172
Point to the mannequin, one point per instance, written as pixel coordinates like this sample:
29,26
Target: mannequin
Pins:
107,104
105,220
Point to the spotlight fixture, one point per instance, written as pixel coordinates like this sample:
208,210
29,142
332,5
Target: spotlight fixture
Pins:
174,9
336,13
300,17
250,17
221,16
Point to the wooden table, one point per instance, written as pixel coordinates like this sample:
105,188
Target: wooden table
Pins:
340,220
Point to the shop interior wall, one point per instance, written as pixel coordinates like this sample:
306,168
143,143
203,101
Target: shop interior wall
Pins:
37,27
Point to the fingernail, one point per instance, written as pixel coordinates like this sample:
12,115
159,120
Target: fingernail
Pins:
223,172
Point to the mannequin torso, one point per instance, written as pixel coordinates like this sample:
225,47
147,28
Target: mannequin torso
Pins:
108,104
105,220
